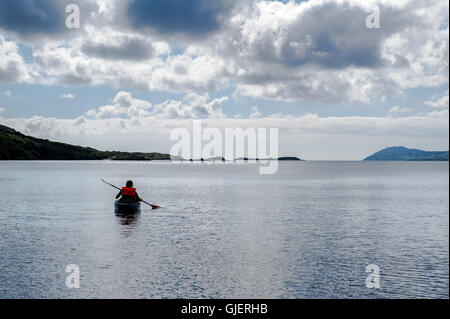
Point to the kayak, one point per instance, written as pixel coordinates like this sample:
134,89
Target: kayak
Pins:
118,203
126,208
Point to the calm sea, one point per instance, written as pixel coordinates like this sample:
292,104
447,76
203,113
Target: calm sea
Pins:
224,231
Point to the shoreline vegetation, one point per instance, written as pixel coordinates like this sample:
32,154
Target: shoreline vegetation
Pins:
17,146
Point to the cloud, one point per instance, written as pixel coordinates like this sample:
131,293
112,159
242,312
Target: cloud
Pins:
124,48
12,66
2,110
129,61
123,105
190,73
321,50
35,20
59,64
431,125
193,17
67,96
193,105
126,114
28,17
439,103
316,50
329,34
8,94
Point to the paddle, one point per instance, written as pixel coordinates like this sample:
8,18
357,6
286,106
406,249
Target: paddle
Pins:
153,206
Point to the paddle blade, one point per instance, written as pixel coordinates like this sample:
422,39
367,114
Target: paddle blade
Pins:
153,206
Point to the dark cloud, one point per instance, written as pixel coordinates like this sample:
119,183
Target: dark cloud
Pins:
75,79
27,17
129,49
34,19
329,35
194,17
335,36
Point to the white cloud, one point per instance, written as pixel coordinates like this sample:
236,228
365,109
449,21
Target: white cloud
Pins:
8,94
2,110
67,96
123,105
439,103
12,66
108,57
193,105
127,114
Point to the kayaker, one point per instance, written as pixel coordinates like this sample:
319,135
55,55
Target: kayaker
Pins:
128,194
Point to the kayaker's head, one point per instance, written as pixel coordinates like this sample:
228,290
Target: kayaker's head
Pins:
129,184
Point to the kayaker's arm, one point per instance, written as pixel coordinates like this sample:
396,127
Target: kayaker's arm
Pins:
138,198
118,195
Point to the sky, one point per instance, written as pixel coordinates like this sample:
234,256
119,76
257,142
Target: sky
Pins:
134,70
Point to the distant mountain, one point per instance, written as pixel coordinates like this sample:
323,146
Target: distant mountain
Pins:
400,153
17,146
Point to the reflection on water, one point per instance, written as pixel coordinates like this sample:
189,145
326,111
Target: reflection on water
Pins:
127,219
128,223
308,231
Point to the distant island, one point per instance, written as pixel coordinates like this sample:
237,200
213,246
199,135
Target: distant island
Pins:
289,158
215,159
400,153
17,146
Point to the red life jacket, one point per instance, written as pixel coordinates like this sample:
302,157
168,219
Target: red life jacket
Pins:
129,191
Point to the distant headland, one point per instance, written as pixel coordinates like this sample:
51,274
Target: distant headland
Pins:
17,146
400,153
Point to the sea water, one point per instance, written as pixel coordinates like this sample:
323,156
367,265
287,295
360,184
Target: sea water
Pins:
225,231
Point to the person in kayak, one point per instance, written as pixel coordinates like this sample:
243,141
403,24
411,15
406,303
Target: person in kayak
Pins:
128,194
